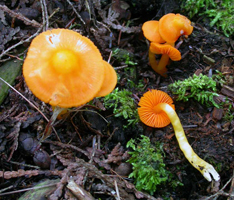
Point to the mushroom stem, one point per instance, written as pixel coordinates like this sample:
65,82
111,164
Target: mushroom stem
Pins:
48,129
160,67
162,70
205,168
153,62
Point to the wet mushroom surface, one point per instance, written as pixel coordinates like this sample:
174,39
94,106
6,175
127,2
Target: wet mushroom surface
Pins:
87,154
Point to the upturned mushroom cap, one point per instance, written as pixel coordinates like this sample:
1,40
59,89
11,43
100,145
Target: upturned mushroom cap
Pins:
173,53
110,80
63,68
148,112
151,32
172,26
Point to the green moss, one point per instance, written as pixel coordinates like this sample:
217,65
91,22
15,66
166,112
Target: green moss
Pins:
201,88
123,105
221,12
123,55
149,170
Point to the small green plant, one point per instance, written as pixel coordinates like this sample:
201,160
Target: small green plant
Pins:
228,110
123,105
123,55
221,12
130,74
201,88
219,78
148,167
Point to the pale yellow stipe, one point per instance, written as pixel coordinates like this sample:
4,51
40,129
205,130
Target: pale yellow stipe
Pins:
205,168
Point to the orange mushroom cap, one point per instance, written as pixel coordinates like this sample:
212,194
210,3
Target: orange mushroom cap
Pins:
151,32
110,80
147,111
171,51
172,26
63,68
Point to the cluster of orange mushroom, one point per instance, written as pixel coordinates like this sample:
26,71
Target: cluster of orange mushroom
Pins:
157,110
65,69
163,34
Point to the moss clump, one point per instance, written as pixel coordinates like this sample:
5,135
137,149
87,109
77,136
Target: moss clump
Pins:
149,170
201,88
123,105
148,167
220,12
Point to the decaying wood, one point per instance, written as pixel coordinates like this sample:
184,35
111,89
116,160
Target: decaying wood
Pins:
78,191
217,113
228,91
28,173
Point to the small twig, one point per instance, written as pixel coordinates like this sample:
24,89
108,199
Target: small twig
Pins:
16,57
20,16
92,111
121,67
67,146
25,165
94,149
76,12
7,188
109,57
177,46
44,15
27,189
117,190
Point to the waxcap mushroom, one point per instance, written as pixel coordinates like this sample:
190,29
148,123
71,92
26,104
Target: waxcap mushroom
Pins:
172,52
172,26
147,112
151,32
63,68
154,105
110,80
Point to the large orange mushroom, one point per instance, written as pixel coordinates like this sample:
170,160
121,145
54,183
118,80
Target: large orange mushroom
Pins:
156,110
63,68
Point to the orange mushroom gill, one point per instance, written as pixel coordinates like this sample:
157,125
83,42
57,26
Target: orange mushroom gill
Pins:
148,112
168,52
